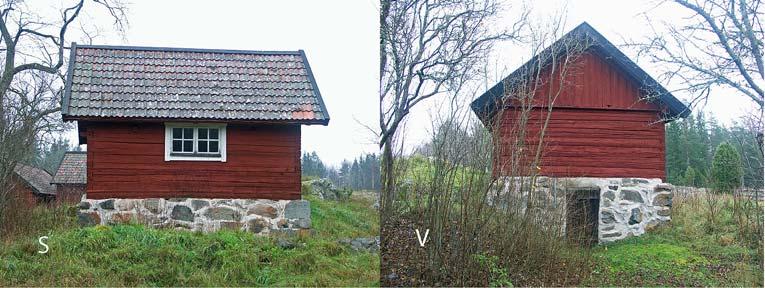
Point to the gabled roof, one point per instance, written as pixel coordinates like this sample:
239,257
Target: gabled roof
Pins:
194,84
73,168
36,178
484,104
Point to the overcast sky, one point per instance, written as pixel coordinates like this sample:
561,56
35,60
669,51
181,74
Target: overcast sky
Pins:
341,41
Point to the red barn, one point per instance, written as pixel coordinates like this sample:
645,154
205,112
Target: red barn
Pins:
607,119
177,122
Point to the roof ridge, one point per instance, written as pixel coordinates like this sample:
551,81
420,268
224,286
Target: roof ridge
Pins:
193,50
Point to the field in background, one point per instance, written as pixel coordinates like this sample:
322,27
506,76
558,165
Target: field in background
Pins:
132,255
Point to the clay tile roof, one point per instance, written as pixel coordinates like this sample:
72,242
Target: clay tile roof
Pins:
73,169
36,178
185,83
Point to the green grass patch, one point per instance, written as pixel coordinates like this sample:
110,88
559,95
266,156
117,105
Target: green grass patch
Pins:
133,255
684,253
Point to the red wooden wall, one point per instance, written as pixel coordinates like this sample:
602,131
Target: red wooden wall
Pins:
599,127
126,160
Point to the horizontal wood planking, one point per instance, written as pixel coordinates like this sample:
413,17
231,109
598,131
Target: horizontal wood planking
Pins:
592,145
126,160
590,82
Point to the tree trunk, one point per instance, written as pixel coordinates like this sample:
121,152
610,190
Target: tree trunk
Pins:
388,189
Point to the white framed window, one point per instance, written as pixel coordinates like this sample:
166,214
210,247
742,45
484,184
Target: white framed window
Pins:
195,142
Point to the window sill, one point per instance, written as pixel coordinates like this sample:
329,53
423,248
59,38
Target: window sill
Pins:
194,157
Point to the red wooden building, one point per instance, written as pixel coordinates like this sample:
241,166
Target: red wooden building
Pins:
178,122
607,118
71,178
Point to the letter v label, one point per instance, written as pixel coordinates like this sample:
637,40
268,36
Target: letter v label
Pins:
422,240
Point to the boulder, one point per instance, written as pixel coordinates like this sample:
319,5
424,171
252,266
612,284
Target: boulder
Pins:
631,195
611,235
223,213
199,204
609,195
108,204
655,224
87,219
257,225
263,210
635,216
362,243
183,213
152,205
83,205
607,217
664,212
663,187
297,209
124,204
122,218
662,199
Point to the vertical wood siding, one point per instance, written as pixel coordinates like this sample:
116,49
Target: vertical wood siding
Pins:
126,160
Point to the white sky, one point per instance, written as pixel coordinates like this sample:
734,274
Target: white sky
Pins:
341,41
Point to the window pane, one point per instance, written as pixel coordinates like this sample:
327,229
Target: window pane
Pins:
188,133
202,133
214,146
202,146
213,133
188,146
177,145
177,133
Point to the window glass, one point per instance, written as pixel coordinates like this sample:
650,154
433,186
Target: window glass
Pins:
188,146
202,146
213,133
214,146
202,133
177,133
177,145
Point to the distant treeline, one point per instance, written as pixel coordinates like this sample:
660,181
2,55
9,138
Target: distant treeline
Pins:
691,145
363,173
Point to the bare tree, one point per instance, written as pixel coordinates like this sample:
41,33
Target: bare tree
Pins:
31,79
429,48
721,45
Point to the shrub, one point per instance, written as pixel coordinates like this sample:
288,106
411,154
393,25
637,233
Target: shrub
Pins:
726,168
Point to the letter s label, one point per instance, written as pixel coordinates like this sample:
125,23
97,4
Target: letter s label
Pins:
43,244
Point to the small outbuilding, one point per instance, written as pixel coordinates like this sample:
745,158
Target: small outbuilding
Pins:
600,120
207,136
31,186
71,177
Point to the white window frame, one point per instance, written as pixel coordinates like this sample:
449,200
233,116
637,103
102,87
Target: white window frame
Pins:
169,141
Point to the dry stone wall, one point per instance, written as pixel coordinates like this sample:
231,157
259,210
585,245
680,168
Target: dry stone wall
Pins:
198,214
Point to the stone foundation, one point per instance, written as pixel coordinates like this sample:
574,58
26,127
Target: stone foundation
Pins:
627,206
198,214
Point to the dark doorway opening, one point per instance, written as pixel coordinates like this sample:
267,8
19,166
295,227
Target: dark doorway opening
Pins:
582,208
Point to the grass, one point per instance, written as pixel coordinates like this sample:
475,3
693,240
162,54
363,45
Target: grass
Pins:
685,253
132,255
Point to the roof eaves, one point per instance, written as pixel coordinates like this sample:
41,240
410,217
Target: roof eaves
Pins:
324,121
